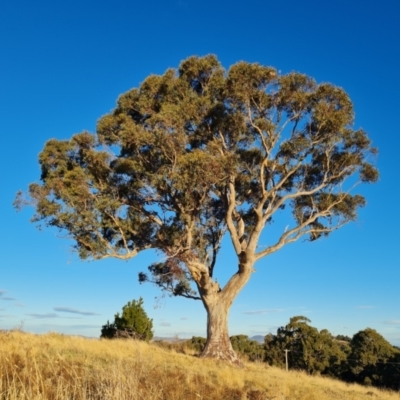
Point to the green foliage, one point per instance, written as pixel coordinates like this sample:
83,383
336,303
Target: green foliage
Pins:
133,322
369,358
198,151
197,343
343,338
309,349
248,347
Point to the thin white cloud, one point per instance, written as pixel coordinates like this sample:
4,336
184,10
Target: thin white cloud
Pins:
2,292
365,307
184,318
41,316
7,298
165,324
263,311
392,322
74,311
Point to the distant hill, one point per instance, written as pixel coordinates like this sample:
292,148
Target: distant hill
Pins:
258,338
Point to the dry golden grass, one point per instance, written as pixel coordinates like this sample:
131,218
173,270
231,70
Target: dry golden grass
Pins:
55,366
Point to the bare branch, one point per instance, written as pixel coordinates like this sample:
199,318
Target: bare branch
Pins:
170,289
120,230
294,234
231,199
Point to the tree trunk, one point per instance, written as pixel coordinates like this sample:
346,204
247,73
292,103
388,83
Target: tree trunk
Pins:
217,303
218,344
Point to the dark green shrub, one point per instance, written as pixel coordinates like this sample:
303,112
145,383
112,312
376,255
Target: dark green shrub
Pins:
133,323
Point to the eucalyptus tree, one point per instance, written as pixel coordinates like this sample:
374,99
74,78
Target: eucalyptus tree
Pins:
199,153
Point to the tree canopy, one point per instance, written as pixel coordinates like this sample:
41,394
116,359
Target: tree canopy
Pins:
200,152
367,358
133,322
310,350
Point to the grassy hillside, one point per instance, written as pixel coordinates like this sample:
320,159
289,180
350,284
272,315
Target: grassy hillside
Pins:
54,366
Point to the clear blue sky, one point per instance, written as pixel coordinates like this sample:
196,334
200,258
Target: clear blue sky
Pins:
63,65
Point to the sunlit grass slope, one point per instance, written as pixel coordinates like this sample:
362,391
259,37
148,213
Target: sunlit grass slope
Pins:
54,366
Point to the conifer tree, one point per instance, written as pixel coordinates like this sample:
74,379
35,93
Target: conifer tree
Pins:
133,322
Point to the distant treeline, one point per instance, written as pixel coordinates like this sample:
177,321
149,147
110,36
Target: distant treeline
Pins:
366,358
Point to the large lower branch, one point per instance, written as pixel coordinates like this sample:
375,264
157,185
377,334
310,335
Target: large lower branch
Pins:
231,200
201,275
240,279
294,234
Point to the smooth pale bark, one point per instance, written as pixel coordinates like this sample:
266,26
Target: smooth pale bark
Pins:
217,304
218,343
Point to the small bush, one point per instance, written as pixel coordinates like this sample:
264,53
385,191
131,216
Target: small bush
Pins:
133,323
